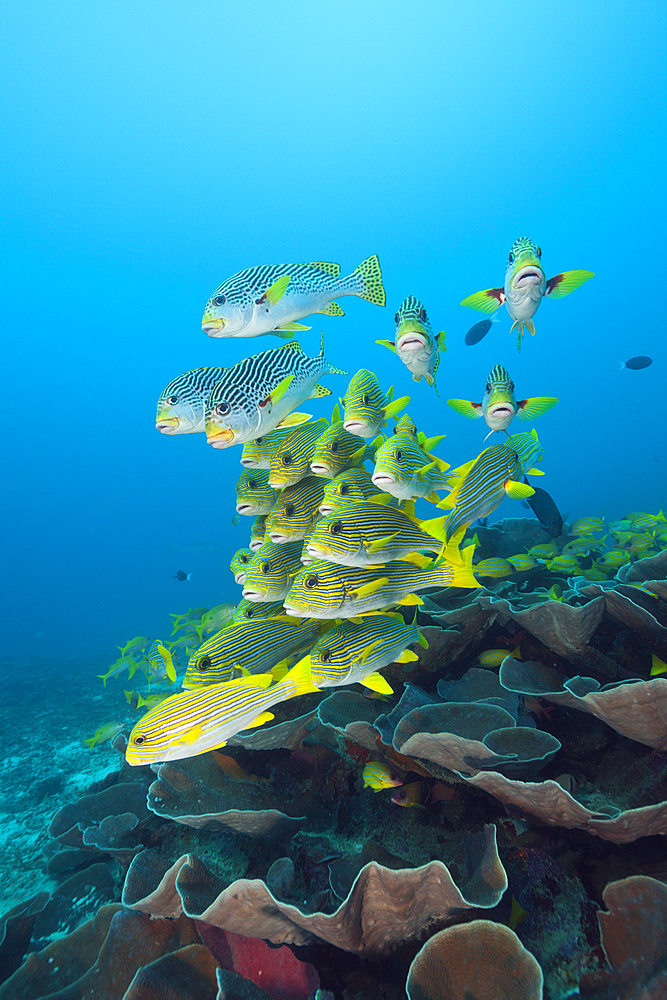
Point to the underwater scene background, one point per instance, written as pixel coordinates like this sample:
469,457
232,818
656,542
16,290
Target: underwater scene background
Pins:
149,154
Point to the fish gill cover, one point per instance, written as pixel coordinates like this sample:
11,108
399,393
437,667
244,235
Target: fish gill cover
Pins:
450,691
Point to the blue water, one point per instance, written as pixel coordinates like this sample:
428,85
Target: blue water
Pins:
150,151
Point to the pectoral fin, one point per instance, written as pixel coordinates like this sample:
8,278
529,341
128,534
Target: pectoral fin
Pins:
424,470
277,394
387,343
440,341
409,600
531,409
407,656
518,491
466,408
392,409
292,326
295,419
260,720
367,589
562,284
379,543
486,301
377,683
275,291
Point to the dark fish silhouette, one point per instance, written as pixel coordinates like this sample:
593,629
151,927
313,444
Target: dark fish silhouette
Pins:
641,361
546,511
180,575
479,330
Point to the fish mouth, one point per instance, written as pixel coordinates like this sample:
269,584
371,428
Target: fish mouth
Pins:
246,508
253,595
324,510
529,275
320,469
256,544
277,538
220,438
382,479
354,426
316,553
240,577
297,612
213,327
411,342
168,425
249,463
501,409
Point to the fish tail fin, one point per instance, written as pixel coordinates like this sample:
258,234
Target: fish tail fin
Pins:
104,678
463,574
622,366
301,676
495,318
369,280
330,370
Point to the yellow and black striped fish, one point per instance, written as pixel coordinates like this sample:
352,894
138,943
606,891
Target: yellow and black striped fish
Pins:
291,460
181,408
257,454
353,484
295,511
255,645
366,408
239,562
270,573
327,590
253,494
480,485
336,450
404,466
194,722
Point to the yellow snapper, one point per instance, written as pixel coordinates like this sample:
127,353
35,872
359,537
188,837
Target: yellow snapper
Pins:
104,733
499,405
525,287
586,525
160,658
353,484
366,533
522,562
336,450
415,344
480,485
613,559
269,574
495,568
253,494
494,657
245,610
295,511
258,532
291,460
254,645
181,408
411,796
353,652
257,454
239,562
259,393
195,722
563,564
377,776
404,466
366,408
327,590
270,298
544,551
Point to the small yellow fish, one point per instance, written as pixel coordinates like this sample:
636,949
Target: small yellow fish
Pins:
411,796
563,564
494,657
658,666
517,914
495,568
546,551
104,733
612,559
522,562
377,776
586,525
555,593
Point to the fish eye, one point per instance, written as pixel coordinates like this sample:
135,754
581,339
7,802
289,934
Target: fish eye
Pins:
422,314
287,458
488,387
539,252
365,399
511,257
336,528
396,318
266,566
325,656
243,559
289,509
334,446
344,490
398,455
511,386
138,740
219,300
222,409
204,663
172,400
258,440
311,581
252,483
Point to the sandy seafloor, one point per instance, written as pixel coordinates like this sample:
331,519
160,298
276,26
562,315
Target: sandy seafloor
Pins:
48,708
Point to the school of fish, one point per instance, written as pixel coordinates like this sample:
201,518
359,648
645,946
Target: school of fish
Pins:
337,555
